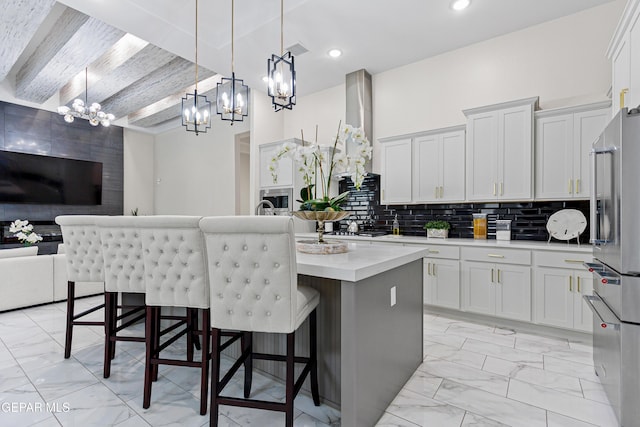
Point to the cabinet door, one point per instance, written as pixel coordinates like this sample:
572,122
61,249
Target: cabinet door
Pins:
554,157
482,146
515,147
587,128
285,168
621,73
452,167
396,171
427,163
554,300
582,316
513,292
444,282
633,97
478,287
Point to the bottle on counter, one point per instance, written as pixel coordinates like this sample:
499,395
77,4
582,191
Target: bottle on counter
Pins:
395,228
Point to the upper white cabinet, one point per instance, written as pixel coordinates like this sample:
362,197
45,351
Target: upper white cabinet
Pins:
426,167
563,142
499,151
624,53
285,166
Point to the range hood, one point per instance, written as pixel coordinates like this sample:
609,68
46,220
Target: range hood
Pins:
359,105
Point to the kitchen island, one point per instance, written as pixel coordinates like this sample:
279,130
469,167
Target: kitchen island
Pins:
369,327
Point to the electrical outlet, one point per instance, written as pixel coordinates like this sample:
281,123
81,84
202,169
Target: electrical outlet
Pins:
393,296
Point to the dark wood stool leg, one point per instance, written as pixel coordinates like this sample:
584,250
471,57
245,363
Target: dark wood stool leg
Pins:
290,381
114,325
215,377
190,329
204,376
148,369
194,334
71,293
109,314
313,339
156,319
246,342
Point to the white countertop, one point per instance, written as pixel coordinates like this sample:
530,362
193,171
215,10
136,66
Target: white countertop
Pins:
360,262
490,243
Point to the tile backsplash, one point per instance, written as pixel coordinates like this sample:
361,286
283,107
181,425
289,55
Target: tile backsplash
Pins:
528,219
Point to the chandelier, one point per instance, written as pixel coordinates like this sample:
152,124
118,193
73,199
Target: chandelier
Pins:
82,110
196,109
232,95
281,74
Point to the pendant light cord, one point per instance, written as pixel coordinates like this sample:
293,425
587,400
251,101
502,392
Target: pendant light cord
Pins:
196,87
86,86
232,58
281,27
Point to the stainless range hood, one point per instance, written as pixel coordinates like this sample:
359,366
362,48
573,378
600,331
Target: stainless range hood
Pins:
359,104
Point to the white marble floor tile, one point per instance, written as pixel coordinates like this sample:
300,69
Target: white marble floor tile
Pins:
567,367
485,335
52,421
506,353
541,346
574,356
95,405
593,391
586,346
503,331
86,336
22,406
304,420
542,339
473,420
454,341
135,421
390,420
423,411
423,383
563,404
453,354
492,406
526,373
471,377
323,413
60,379
5,354
11,376
37,356
557,420
126,379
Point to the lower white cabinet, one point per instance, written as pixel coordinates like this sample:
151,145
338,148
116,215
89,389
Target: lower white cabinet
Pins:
496,289
442,282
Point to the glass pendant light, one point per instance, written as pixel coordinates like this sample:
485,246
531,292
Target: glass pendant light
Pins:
282,74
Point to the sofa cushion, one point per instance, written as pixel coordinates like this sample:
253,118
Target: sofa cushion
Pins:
18,252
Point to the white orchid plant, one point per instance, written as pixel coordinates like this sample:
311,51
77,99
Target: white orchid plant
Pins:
24,232
316,168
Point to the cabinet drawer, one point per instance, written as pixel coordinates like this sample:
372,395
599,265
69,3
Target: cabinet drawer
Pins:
561,259
497,255
444,252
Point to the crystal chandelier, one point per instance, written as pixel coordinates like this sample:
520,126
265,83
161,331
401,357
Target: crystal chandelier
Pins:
282,74
232,95
82,110
196,109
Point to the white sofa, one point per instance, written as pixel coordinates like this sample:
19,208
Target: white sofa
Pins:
27,279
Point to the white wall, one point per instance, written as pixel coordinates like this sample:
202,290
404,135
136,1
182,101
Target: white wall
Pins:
195,175
138,152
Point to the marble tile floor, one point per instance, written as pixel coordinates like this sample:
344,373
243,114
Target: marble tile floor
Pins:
472,375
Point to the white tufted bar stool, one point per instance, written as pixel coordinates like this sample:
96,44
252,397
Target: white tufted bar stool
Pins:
254,288
175,276
83,255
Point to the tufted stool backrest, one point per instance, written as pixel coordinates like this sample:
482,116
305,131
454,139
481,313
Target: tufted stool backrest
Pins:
252,271
83,251
174,261
122,253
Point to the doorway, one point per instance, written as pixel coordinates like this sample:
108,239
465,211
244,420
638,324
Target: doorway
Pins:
242,181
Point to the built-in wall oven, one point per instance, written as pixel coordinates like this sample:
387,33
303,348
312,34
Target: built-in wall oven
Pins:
280,198
615,235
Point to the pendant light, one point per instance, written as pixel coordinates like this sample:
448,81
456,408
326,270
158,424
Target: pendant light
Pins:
196,109
232,95
82,110
282,74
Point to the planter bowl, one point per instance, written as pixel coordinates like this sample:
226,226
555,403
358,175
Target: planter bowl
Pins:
439,233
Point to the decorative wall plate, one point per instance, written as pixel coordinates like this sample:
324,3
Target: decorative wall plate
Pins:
566,224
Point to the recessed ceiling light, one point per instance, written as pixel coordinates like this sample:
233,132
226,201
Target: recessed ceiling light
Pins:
460,4
334,53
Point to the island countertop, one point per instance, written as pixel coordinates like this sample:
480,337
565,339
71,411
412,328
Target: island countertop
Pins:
362,261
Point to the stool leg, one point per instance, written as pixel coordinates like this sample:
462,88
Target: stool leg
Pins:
204,377
215,377
71,293
246,342
290,380
114,324
157,327
194,334
109,314
149,343
190,329
313,338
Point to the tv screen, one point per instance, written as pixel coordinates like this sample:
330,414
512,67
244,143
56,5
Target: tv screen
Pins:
31,178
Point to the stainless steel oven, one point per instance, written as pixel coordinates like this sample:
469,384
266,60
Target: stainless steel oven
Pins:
615,235
280,198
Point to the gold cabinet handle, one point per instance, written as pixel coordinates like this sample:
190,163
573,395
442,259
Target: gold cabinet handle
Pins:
435,192
575,261
492,276
499,276
494,188
570,283
578,284
434,269
623,92
577,186
501,188
495,256
433,251
383,194
429,268
441,192
570,186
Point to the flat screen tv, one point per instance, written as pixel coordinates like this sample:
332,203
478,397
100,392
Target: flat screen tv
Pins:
32,178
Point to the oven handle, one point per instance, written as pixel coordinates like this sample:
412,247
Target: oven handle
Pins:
594,229
609,320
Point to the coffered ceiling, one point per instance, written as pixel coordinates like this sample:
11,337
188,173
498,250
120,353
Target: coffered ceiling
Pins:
139,53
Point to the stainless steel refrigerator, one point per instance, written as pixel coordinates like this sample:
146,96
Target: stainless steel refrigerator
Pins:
615,235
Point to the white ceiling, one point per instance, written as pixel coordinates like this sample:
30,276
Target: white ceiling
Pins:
373,34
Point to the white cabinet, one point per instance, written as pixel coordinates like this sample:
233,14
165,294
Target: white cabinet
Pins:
559,285
396,171
492,285
442,277
624,53
499,151
563,142
285,167
439,167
